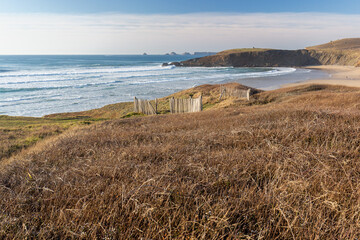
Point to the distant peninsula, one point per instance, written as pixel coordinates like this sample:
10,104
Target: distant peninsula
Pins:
199,54
340,52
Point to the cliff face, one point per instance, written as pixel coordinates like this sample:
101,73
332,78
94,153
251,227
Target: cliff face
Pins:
336,57
276,58
268,58
340,52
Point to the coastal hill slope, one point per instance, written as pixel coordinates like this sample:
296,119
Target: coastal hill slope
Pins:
342,44
254,58
19,133
209,92
283,165
341,52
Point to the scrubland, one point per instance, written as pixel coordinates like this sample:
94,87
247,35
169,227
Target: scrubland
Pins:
284,165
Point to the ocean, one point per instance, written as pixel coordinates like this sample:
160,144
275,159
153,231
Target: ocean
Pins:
40,85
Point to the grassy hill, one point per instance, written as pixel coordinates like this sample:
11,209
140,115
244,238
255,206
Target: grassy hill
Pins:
283,165
342,44
340,52
210,94
242,50
18,133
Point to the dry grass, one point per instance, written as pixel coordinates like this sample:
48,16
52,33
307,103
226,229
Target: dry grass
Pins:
342,44
18,133
116,110
209,92
279,167
241,50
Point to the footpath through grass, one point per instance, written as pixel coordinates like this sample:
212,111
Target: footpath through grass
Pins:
17,133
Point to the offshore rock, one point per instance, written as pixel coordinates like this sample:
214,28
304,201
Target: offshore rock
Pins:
176,64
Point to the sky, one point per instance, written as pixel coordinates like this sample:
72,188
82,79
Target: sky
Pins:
158,26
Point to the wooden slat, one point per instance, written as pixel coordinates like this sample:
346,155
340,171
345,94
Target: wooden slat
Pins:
185,105
233,92
144,106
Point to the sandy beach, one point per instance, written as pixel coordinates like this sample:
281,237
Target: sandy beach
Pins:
339,75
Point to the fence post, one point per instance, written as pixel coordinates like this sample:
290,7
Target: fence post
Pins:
171,101
156,104
222,90
248,94
135,105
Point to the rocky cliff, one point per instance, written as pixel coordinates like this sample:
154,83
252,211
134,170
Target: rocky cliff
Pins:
268,58
336,57
341,52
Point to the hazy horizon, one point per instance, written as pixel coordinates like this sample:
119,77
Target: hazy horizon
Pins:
158,27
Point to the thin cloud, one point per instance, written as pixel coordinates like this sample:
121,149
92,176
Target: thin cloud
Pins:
114,33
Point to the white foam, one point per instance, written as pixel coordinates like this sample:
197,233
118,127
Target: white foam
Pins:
41,90
80,71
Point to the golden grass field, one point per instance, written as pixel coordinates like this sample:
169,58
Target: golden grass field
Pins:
18,133
281,166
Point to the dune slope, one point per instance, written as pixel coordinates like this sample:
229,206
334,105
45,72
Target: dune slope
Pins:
283,165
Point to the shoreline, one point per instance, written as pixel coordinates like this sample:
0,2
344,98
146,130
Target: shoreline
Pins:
335,75
339,75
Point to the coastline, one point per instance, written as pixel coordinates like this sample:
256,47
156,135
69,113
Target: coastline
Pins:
338,75
62,86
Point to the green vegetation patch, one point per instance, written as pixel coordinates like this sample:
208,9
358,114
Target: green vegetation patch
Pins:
17,133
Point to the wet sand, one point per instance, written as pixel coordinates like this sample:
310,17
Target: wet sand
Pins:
338,75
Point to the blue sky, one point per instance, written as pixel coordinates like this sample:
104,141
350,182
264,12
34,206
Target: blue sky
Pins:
179,6
158,26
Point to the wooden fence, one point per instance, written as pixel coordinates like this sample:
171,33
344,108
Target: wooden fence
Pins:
235,92
186,105
144,106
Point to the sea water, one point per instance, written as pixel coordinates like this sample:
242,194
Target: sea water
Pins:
40,85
